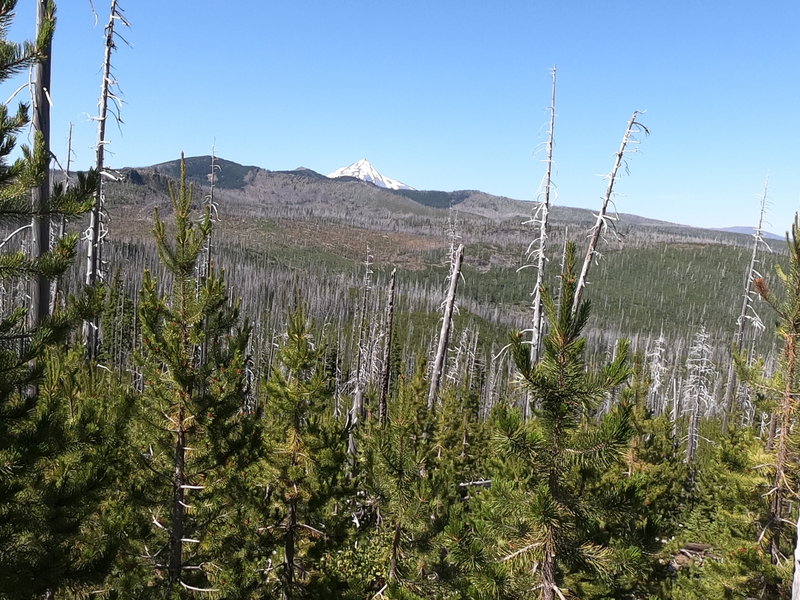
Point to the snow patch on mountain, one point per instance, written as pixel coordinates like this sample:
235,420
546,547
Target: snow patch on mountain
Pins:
364,171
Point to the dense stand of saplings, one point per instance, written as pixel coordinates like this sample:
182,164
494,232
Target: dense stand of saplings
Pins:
184,460
176,473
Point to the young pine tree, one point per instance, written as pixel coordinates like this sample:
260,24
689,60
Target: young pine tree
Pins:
406,494
300,506
537,510
195,434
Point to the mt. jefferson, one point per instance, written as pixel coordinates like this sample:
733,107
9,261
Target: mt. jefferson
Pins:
364,171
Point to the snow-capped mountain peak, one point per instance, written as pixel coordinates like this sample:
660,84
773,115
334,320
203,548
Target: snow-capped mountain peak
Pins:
364,171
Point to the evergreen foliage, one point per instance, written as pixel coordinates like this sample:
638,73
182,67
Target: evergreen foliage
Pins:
70,503
201,461
300,512
57,430
405,490
544,521
196,429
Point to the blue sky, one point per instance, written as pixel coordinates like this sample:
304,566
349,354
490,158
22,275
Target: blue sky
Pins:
451,95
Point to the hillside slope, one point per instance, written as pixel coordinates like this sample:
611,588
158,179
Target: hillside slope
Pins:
277,228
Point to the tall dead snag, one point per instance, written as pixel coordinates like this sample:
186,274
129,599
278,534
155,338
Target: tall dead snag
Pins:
97,226
40,195
698,393
383,413
788,310
212,205
204,265
357,412
537,247
746,314
449,303
603,218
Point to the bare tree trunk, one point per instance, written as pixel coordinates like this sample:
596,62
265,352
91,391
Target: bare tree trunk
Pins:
633,127
207,262
40,196
539,252
357,411
444,334
96,235
387,353
738,340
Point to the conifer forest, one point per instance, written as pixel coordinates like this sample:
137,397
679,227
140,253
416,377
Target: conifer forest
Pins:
218,381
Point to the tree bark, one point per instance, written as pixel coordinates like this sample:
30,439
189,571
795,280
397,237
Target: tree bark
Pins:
549,576
394,563
40,196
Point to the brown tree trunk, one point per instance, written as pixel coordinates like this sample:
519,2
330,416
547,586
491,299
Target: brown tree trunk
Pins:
289,549
178,492
549,576
394,563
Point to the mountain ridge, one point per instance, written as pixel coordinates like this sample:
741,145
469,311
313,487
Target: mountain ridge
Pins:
313,189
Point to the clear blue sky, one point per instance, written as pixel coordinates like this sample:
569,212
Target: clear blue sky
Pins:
453,94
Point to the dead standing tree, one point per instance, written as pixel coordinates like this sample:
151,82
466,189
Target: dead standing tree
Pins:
536,250
698,393
383,413
457,257
603,219
746,314
357,411
205,263
98,226
40,195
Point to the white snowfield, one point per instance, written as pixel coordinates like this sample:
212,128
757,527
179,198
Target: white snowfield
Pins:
364,171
